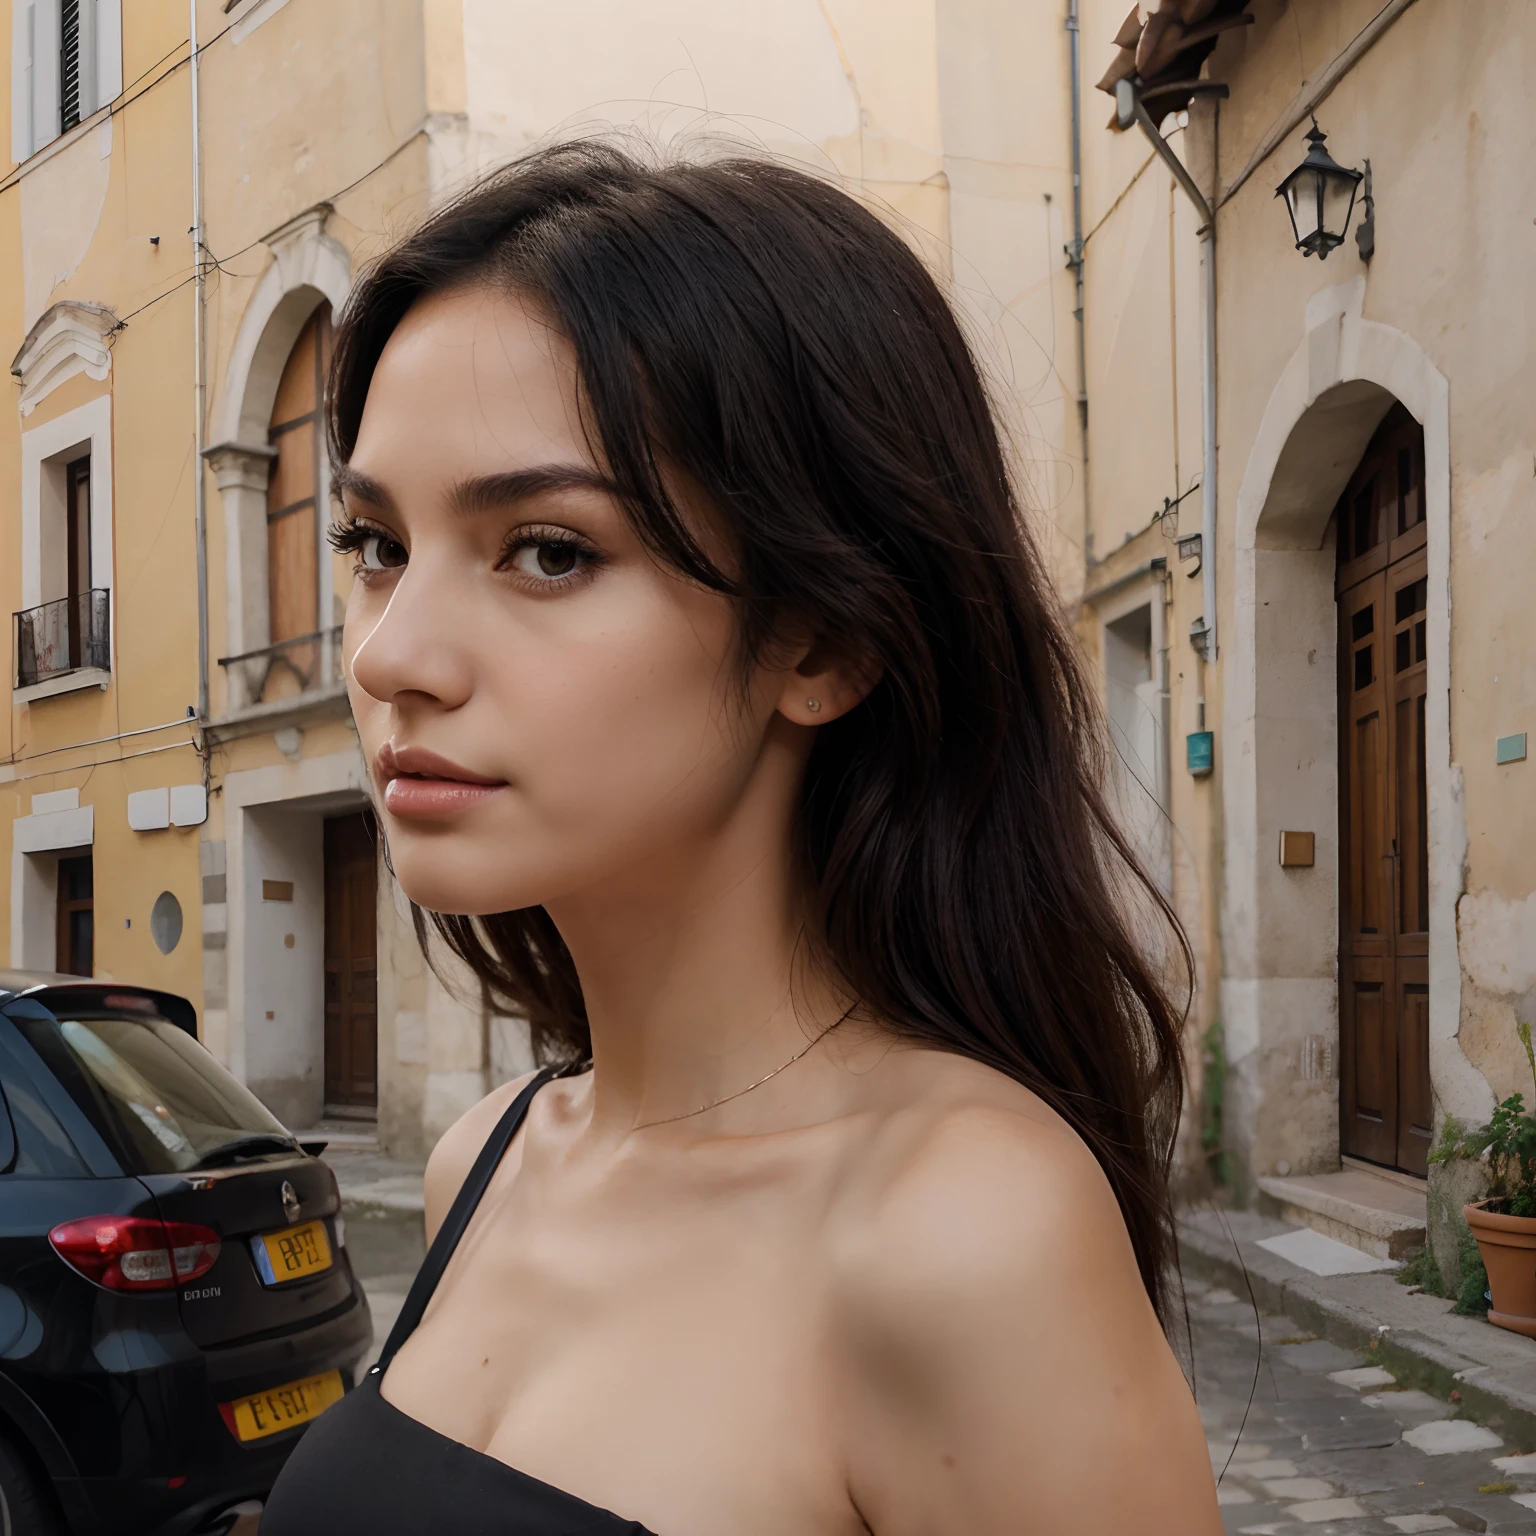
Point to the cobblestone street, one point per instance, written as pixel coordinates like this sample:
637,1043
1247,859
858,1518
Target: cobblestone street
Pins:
1331,1443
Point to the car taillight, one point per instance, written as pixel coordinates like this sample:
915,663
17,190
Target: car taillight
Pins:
136,1253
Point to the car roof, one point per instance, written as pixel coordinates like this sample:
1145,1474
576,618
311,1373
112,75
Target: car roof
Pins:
15,983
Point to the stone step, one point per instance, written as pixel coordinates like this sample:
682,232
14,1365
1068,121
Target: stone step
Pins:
344,1135
1379,1213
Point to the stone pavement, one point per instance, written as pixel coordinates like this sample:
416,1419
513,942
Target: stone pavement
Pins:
1417,1337
1310,1439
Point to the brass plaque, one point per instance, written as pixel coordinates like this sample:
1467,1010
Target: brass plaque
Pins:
1298,850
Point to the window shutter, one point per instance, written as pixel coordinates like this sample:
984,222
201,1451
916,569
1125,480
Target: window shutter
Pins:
69,65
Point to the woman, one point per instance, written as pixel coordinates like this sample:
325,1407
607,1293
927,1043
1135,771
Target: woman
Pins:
719,716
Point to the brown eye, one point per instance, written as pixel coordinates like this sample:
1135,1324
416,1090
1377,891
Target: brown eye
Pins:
556,559
379,552
549,560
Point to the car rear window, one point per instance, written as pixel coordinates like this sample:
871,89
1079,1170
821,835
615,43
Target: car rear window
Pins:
159,1100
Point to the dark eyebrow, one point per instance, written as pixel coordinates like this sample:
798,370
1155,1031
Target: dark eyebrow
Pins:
481,493
490,493
346,481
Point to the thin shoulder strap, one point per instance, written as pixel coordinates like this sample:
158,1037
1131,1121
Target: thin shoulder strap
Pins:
457,1219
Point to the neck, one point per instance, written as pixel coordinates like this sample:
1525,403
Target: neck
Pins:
696,973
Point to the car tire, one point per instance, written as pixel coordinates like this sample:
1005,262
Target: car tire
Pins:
26,1504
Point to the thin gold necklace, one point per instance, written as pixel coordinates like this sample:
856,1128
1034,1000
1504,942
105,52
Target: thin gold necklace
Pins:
688,1114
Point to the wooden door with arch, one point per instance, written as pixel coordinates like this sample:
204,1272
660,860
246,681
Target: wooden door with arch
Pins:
1384,1087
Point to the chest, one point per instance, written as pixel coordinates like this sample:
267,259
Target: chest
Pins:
643,1344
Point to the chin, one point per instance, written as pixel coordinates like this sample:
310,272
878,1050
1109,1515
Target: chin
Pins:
466,885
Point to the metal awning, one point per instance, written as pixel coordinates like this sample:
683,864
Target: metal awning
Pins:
1163,45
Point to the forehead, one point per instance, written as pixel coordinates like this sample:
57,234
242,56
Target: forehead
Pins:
480,378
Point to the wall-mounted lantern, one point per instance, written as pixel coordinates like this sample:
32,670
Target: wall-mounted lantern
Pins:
1319,196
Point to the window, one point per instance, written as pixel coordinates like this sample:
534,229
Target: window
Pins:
77,556
77,916
66,62
61,633
157,1098
1135,703
293,515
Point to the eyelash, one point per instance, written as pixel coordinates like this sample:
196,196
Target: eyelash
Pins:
352,536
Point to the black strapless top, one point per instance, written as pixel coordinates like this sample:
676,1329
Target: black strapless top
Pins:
366,1469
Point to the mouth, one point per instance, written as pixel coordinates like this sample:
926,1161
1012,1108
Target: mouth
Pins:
421,785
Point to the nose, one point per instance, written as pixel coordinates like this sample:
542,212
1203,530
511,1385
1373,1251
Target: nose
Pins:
414,648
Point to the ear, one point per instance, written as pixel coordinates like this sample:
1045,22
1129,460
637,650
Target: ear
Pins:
825,685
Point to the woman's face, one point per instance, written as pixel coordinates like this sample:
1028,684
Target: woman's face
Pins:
543,708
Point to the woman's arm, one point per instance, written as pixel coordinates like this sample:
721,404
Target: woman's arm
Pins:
1007,1372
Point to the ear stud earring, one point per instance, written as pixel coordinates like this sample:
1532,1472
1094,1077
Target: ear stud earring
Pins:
814,705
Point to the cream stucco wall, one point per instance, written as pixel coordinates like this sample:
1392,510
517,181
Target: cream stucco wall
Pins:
1309,355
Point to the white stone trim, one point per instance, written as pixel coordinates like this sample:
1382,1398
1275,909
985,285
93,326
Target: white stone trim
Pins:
69,337
68,682
340,778
1339,377
35,839
308,266
251,16
109,51
48,831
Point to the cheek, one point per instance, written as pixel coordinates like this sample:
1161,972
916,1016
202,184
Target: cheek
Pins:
623,729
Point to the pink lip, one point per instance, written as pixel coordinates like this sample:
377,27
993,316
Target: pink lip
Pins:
421,785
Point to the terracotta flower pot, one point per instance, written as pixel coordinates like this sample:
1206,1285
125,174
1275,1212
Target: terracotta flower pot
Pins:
1508,1247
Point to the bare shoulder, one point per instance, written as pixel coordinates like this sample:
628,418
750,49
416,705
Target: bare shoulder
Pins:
458,1147
980,1184
1003,1359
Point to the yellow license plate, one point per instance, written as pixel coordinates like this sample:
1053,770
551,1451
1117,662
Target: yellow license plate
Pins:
268,1413
296,1252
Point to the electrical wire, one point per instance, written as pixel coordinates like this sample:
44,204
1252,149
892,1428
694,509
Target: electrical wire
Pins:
100,762
123,99
218,262
97,741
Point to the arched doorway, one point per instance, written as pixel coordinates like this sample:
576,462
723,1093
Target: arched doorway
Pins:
1385,1103
1280,752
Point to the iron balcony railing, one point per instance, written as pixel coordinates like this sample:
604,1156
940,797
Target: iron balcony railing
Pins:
67,635
292,668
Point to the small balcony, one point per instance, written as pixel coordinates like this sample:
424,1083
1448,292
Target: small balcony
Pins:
294,682
64,644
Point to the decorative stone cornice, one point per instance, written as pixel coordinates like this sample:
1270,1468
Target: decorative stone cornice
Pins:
240,466
291,242
69,337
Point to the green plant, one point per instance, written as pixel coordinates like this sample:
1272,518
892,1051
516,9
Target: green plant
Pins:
1213,1084
1422,1271
1507,1144
1472,1296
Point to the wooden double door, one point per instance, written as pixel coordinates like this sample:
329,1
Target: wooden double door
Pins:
351,964
1385,1102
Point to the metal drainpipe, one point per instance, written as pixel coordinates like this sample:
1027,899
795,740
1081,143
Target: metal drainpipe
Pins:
1128,105
199,385
1208,432
1075,261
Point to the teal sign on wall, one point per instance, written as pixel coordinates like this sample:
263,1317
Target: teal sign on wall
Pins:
1510,749
1201,749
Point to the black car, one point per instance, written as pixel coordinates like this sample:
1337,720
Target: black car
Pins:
176,1299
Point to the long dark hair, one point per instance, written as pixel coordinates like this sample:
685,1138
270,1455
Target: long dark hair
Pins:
759,331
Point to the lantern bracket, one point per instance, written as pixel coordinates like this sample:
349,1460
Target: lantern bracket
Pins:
1365,231
1129,108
